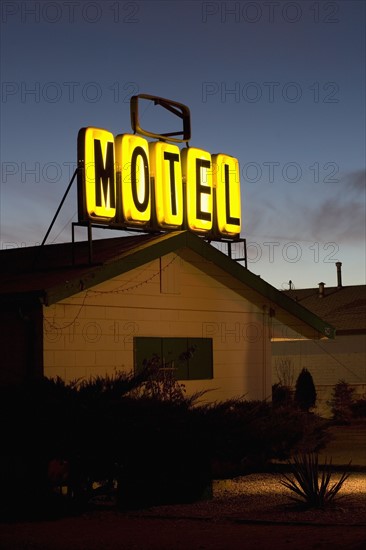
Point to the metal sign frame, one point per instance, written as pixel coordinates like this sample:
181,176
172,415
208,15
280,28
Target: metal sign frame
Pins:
178,109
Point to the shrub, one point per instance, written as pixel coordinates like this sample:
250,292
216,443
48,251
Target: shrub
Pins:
160,382
163,453
292,431
281,395
341,402
310,487
305,393
247,435
234,431
156,444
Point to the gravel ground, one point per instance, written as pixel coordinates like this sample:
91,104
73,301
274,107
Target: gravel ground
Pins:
262,498
247,513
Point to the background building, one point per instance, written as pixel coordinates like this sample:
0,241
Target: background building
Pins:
329,361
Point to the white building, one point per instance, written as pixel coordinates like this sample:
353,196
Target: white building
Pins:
172,294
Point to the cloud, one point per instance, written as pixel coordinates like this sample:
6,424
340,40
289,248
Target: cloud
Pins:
344,220
356,181
344,212
319,216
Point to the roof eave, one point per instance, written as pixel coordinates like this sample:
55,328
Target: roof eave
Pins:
170,242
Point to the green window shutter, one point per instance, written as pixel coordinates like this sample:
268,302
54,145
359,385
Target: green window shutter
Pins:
191,358
145,349
200,362
175,354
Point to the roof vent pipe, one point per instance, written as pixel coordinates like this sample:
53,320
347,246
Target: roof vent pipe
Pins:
321,290
339,274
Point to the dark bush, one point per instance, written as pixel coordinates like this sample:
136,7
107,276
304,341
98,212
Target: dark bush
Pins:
295,431
232,431
35,424
281,395
246,436
341,402
305,393
164,457
153,449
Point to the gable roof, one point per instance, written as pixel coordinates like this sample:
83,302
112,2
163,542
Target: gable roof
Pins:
48,274
344,307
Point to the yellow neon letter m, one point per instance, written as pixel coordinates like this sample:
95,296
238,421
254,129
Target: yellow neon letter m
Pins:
99,174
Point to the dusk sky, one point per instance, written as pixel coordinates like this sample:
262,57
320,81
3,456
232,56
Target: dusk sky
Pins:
279,85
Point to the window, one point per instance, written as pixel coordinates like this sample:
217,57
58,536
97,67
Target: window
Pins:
191,358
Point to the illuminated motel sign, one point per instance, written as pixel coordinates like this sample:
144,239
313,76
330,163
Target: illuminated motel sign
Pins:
128,182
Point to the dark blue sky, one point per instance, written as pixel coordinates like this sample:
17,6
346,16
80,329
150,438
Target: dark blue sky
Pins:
279,85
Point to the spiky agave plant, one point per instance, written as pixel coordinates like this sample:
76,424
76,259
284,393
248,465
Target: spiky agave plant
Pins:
312,482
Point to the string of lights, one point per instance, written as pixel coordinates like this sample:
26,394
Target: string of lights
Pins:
118,290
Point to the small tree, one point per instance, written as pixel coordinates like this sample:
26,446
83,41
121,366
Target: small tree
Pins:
305,393
341,402
282,394
285,371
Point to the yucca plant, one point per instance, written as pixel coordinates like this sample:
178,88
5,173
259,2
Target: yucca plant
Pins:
311,482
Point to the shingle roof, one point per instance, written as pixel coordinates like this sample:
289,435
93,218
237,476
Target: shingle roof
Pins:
344,307
48,274
35,269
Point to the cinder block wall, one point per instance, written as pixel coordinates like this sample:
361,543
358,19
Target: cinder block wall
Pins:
92,333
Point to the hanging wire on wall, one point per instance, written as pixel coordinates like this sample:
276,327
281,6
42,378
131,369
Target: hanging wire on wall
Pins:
117,290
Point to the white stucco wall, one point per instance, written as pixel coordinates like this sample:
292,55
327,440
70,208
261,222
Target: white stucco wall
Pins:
328,361
92,332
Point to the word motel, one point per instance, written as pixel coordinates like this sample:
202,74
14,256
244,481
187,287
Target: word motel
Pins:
127,181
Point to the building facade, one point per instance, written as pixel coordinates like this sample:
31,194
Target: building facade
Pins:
172,296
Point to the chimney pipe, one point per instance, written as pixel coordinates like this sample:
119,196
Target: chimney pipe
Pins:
339,274
321,290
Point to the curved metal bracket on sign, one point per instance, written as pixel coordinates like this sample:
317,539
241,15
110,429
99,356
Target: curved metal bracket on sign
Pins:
178,109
